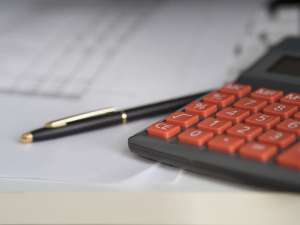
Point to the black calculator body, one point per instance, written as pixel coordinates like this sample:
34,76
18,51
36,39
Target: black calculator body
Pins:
248,131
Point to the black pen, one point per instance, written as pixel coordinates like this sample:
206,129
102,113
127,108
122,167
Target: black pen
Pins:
103,118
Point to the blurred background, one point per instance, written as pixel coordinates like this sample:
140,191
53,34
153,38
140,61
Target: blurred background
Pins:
66,49
64,57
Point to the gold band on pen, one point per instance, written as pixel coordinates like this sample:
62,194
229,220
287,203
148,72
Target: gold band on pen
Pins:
64,121
124,117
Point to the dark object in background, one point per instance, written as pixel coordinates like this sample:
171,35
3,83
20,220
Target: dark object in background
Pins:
273,6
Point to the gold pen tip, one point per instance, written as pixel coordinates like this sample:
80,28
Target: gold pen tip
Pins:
26,138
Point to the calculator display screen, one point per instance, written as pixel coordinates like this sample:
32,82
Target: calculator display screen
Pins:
287,65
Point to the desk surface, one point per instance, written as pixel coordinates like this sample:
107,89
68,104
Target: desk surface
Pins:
149,208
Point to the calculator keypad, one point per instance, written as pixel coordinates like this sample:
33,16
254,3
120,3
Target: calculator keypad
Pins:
263,120
290,158
297,115
280,109
292,98
201,109
279,138
289,125
258,151
217,126
248,132
233,114
221,99
262,125
225,143
253,105
163,130
238,90
195,136
182,119
267,94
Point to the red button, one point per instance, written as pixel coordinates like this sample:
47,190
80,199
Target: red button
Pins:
217,126
254,105
182,119
202,109
280,109
221,99
278,138
239,90
292,98
289,125
195,136
258,151
163,130
290,158
233,114
297,115
267,94
225,143
263,120
245,131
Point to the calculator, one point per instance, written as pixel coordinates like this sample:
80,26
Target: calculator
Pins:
247,131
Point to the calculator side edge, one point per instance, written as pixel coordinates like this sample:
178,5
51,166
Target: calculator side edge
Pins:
165,153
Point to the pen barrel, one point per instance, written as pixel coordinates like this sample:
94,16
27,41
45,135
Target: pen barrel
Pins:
113,118
159,108
78,127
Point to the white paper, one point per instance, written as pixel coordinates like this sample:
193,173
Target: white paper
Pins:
59,58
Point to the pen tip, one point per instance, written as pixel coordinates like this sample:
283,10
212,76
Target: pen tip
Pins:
26,138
